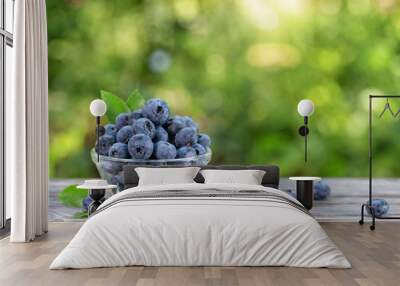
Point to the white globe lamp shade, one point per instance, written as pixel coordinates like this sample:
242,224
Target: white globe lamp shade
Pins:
98,107
305,107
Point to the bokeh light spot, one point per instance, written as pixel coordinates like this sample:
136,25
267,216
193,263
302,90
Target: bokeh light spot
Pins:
330,7
293,6
159,61
186,10
273,55
261,14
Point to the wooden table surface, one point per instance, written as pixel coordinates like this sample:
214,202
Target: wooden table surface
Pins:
347,195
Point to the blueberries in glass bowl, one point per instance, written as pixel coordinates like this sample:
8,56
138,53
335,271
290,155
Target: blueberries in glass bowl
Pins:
150,135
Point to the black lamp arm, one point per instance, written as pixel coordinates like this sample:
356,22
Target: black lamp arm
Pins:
97,137
303,131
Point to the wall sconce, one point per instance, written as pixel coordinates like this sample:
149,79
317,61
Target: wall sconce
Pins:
305,109
98,108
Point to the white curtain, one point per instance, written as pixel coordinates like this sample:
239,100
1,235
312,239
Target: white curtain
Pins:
27,124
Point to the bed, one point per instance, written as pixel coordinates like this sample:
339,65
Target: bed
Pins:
199,224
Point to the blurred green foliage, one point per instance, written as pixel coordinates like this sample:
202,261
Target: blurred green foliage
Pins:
71,196
81,215
238,67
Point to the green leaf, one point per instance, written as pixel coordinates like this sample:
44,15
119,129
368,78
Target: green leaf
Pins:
71,196
115,105
135,100
81,215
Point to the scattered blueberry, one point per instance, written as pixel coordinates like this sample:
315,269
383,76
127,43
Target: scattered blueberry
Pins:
161,134
136,114
124,134
204,140
86,202
140,146
156,110
175,124
111,129
321,191
104,144
380,206
186,137
200,150
186,152
164,150
144,126
119,150
111,167
101,129
122,120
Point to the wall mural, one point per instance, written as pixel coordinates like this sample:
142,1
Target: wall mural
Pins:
239,69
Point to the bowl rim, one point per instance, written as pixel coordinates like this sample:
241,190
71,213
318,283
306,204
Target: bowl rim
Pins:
177,160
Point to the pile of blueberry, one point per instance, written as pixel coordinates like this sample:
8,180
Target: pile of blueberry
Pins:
152,133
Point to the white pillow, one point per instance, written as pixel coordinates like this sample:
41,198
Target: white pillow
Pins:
166,176
248,177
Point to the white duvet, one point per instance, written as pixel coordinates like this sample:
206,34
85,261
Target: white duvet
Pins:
200,231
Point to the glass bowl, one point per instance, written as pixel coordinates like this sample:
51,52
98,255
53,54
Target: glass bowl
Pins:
110,168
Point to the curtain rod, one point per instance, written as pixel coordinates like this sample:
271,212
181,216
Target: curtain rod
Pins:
384,96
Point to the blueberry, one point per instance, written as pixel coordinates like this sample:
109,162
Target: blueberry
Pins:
161,134
140,146
104,144
175,124
186,137
380,206
144,126
111,129
190,123
321,191
200,150
156,110
111,167
186,152
122,120
136,114
204,140
119,150
124,134
164,150
101,130
86,202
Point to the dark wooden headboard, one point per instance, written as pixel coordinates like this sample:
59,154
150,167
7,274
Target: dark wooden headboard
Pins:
270,179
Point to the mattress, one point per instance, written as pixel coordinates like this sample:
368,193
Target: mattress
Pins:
201,225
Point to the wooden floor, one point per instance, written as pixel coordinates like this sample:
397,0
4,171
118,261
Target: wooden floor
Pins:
375,257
